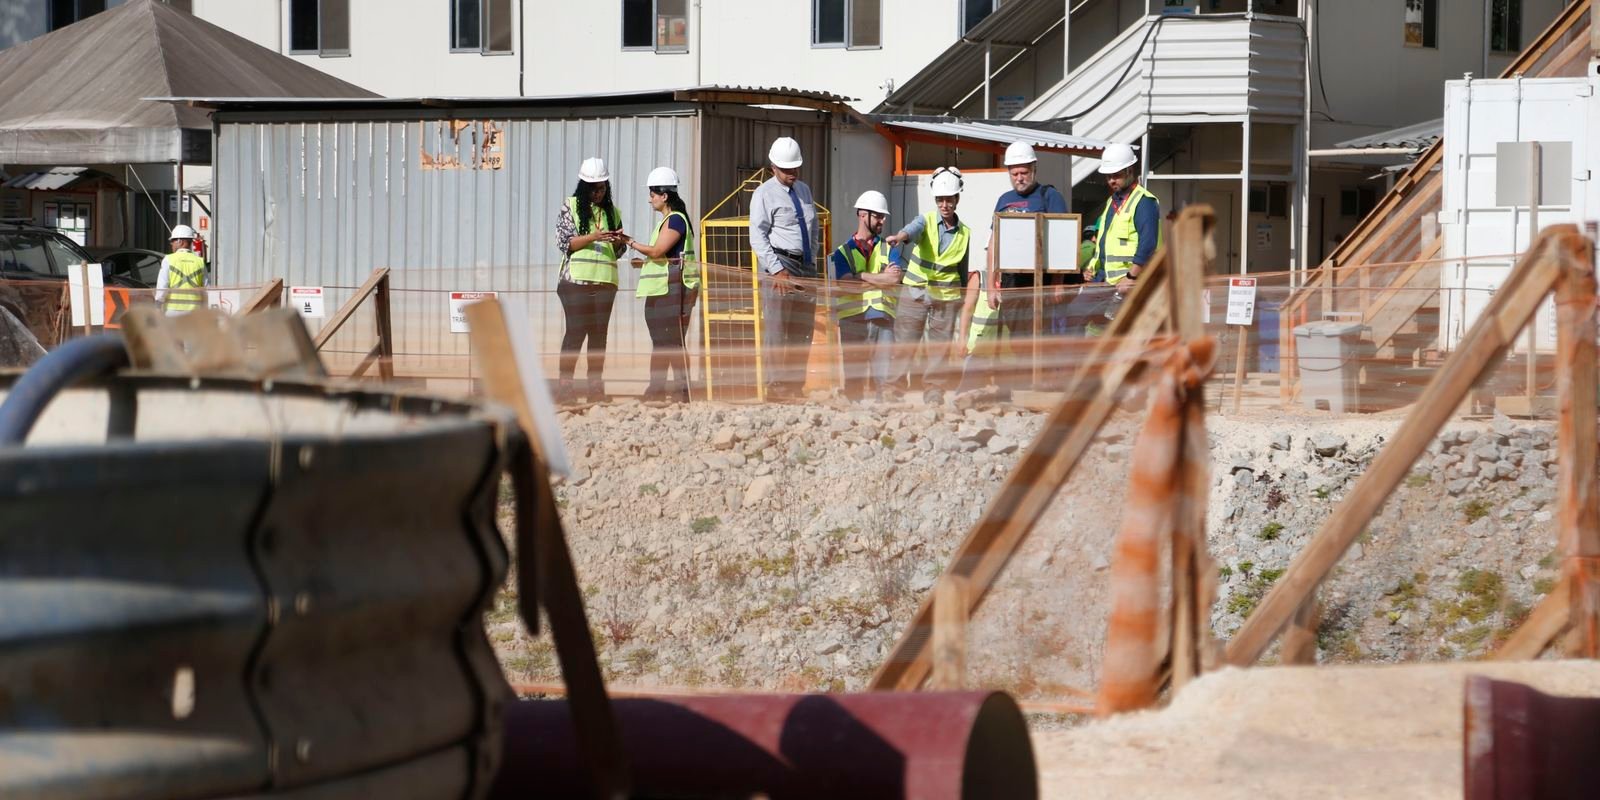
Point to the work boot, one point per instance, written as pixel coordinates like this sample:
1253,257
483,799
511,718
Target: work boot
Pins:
564,394
933,397
596,392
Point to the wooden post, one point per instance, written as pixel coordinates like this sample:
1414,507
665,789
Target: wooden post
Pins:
385,329
1238,368
1300,640
1578,517
1193,253
949,634
1548,619
1512,306
88,300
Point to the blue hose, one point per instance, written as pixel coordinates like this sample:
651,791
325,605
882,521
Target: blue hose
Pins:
89,357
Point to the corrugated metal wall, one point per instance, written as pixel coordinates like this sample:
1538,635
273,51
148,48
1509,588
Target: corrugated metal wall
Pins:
324,203
736,141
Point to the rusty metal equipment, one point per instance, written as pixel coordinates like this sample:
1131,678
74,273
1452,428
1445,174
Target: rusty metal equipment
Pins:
1525,744
884,744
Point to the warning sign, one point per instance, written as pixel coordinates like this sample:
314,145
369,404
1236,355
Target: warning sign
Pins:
458,308
117,302
1241,301
307,300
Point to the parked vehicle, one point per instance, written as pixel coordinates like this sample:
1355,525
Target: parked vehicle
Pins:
30,253
130,263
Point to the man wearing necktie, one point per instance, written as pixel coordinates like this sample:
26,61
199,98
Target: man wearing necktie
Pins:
784,236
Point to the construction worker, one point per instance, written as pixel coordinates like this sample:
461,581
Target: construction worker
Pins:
784,236
865,305
1027,196
180,285
590,238
665,283
1129,230
1086,251
930,294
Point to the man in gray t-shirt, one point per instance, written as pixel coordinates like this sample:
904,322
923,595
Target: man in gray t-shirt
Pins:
784,236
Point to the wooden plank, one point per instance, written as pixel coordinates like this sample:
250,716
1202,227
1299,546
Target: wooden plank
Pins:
1300,640
385,322
268,296
1088,401
545,574
1578,515
1548,619
1485,344
949,634
346,311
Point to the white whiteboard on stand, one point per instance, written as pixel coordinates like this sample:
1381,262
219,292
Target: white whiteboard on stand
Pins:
1017,236
1062,234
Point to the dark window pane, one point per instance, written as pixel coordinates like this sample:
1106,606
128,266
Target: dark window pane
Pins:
62,13
1505,30
88,7
866,29
335,26
638,29
464,24
28,250
186,6
499,26
1277,200
1430,23
64,254
303,26
827,23
974,12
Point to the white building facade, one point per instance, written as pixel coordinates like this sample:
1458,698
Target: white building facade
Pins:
503,48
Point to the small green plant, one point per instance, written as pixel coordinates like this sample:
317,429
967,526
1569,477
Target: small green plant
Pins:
1270,531
1479,594
1544,585
1417,480
887,441
1549,559
1322,492
838,534
1224,572
1407,593
1271,575
705,524
1244,601
730,572
1246,566
803,456
649,490
640,659
732,674
776,567
1475,509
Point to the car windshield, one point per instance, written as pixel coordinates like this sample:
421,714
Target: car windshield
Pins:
64,253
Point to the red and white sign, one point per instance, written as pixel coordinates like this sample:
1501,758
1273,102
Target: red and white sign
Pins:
205,222
458,308
1241,301
307,300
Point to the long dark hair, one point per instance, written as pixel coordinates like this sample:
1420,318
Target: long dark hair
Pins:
581,194
676,203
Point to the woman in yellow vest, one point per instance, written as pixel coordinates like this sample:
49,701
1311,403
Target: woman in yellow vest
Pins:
589,235
668,283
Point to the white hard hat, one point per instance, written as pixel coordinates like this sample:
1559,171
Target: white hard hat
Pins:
662,176
182,232
785,153
947,182
1116,158
1020,153
873,200
593,170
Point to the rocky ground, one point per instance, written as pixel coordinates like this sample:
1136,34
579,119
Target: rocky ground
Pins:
784,547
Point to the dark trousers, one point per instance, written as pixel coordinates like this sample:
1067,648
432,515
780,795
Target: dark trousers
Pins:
787,319
666,317
587,308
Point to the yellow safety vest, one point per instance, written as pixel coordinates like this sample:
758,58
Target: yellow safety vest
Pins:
1120,237
596,263
938,272
857,303
653,276
186,273
985,320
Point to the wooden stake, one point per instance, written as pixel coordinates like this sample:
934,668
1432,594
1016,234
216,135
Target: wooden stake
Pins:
1547,621
1578,518
949,634
1300,641
1238,368
1485,344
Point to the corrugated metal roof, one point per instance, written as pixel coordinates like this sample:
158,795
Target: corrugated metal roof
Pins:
1416,137
46,181
1006,134
950,77
767,95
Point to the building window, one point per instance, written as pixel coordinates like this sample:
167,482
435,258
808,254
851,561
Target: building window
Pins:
1422,23
974,12
186,6
1357,202
66,12
1505,26
319,26
659,25
480,26
846,23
